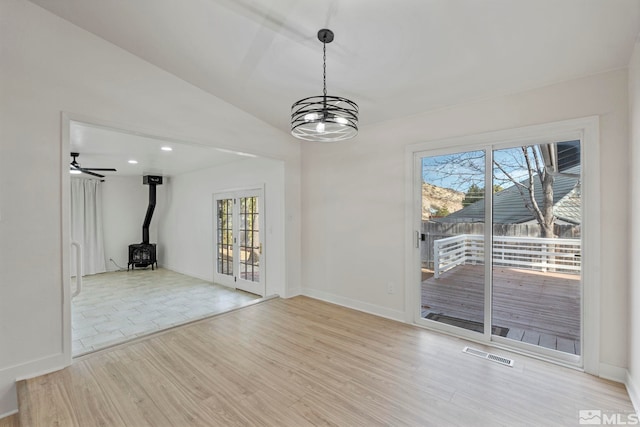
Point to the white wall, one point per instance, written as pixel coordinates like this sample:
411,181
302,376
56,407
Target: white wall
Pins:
49,66
354,202
633,380
124,205
186,232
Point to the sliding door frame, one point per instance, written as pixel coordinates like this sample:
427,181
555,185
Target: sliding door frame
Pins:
584,129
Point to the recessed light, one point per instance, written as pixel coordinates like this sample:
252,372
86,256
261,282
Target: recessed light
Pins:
166,149
133,162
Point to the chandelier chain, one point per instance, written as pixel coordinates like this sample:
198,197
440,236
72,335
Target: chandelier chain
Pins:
324,67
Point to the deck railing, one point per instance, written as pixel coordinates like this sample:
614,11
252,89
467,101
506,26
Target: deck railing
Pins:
532,253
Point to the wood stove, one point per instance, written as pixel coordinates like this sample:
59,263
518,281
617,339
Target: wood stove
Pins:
144,254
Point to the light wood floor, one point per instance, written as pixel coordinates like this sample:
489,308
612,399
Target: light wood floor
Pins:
301,362
11,421
539,308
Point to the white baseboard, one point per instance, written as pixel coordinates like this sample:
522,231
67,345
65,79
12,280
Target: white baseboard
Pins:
632,389
8,414
613,373
34,368
355,304
293,292
187,273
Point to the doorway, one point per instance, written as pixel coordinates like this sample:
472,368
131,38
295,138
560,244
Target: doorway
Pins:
239,240
502,225
530,270
118,300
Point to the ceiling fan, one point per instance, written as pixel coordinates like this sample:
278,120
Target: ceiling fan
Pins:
75,166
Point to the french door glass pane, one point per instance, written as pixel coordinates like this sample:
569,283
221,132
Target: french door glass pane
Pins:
224,262
249,241
452,254
536,245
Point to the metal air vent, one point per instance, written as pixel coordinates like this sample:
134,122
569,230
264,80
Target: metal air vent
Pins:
488,356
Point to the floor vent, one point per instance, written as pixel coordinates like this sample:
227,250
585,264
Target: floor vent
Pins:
488,356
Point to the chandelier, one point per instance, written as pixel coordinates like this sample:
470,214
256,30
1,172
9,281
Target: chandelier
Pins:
324,118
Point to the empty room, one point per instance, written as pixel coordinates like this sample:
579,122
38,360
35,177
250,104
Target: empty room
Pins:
319,213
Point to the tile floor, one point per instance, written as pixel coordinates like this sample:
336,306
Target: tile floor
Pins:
118,306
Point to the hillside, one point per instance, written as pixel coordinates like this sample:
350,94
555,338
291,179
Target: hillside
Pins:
436,198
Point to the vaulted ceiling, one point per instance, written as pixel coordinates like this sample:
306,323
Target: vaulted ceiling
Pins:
394,58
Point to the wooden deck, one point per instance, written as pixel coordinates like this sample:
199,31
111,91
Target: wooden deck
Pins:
538,308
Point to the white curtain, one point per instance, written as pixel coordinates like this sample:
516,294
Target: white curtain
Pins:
86,225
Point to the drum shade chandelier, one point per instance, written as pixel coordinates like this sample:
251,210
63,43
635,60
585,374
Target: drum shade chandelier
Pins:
324,118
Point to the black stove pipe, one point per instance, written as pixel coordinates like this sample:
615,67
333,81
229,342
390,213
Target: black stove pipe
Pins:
147,218
151,181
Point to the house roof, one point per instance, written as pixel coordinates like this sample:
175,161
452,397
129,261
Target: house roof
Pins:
569,207
508,206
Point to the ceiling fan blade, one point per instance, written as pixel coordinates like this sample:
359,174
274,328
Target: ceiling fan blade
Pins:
90,173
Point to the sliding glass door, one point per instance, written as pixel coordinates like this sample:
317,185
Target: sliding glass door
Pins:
452,270
536,265
518,281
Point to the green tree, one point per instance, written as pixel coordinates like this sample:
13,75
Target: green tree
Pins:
441,212
475,193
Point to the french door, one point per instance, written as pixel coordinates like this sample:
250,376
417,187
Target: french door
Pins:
239,240
500,244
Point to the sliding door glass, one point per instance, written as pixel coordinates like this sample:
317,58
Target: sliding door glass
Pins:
536,246
224,241
249,241
452,251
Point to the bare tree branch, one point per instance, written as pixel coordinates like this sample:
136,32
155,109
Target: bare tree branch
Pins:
540,168
533,206
521,167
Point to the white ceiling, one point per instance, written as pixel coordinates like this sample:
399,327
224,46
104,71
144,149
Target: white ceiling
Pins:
101,147
394,58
